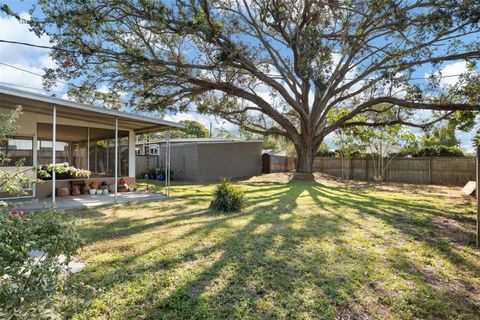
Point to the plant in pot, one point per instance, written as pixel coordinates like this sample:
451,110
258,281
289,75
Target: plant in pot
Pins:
93,187
104,187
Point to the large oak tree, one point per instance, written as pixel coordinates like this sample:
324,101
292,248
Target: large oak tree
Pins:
301,69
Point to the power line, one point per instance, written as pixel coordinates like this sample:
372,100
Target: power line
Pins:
18,68
33,88
31,72
72,51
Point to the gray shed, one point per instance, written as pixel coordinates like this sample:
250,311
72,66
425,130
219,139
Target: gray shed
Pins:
204,160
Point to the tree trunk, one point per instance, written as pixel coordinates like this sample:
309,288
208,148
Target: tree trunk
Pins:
305,157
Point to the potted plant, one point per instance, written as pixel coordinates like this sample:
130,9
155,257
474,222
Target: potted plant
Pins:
104,188
93,187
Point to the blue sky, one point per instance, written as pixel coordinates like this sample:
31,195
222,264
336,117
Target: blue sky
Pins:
34,60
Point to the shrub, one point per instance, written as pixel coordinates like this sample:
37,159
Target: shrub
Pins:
29,283
153,173
228,197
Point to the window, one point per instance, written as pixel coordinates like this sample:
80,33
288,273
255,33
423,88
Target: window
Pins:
16,149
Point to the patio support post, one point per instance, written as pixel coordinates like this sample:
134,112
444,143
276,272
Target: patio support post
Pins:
88,148
167,163
116,158
54,152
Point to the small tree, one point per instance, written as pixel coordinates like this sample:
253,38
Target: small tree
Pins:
350,143
384,144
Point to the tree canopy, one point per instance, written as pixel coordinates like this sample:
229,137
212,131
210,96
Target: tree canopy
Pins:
301,69
192,129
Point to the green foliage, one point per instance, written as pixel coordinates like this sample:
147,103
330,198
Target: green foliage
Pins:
440,136
153,173
30,284
228,197
476,139
433,151
7,121
439,142
324,151
193,129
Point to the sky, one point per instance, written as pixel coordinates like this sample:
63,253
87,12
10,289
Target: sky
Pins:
35,59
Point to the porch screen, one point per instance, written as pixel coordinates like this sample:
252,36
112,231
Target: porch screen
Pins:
16,149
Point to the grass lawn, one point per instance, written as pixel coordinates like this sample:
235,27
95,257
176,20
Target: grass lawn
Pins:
301,250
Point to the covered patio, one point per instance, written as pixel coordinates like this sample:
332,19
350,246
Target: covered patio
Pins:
52,130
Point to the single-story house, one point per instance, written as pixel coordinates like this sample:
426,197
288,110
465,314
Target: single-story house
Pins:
53,130
202,159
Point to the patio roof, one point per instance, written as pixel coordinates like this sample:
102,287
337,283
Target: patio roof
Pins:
42,104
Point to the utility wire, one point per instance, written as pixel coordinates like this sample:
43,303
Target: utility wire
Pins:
72,51
31,72
33,88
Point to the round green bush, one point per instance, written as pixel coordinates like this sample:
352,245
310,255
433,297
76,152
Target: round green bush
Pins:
228,197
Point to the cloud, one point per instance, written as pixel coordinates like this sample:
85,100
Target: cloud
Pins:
450,73
23,57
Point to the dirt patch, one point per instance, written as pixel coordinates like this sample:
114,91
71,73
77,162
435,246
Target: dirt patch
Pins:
453,192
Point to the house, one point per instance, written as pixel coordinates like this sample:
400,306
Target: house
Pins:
53,130
203,159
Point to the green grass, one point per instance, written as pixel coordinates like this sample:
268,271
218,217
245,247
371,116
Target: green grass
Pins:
301,250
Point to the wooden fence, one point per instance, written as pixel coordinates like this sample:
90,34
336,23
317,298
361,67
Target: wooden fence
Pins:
272,164
427,170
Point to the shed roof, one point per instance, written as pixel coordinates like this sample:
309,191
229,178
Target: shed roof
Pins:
42,104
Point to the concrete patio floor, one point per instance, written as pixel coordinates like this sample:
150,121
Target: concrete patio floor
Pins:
89,201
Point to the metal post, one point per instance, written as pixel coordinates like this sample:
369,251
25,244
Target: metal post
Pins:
145,148
116,158
168,168
166,163
54,151
478,195
88,148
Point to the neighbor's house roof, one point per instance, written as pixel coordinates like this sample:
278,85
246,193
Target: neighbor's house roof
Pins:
42,104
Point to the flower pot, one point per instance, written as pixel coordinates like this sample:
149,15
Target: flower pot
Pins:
92,191
105,191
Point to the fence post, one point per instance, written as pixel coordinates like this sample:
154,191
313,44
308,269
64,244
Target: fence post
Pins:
350,169
366,168
387,170
430,170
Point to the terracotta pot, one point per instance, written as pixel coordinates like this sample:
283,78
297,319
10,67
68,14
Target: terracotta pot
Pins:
94,185
122,181
63,192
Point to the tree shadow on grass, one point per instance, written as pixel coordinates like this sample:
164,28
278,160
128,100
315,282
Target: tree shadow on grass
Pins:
287,256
